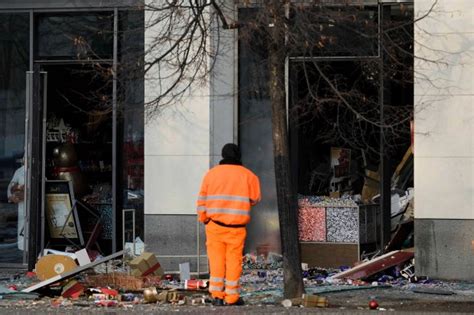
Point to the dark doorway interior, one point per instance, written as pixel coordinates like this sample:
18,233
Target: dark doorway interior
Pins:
323,126
79,140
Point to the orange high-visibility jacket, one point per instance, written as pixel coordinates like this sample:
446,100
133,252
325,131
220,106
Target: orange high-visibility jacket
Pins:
227,193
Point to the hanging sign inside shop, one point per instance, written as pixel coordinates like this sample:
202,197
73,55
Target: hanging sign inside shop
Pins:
61,213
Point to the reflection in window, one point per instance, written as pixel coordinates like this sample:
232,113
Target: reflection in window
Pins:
334,31
78,36
131,103
14,53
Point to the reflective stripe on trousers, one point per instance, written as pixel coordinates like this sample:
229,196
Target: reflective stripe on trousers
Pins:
216,285
218,288
232,291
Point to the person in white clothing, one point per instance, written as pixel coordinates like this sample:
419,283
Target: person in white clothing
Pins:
16,194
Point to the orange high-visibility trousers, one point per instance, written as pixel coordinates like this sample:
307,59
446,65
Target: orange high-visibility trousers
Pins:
225,247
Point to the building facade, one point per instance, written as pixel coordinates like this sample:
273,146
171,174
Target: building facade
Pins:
190,139
444,140
53,53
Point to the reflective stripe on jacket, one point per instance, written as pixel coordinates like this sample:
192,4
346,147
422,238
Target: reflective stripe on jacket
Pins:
227,193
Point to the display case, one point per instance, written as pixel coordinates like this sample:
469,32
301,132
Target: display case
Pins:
335,232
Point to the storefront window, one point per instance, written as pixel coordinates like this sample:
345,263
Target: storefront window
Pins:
334,104
131,98
74,36
333,31
14,52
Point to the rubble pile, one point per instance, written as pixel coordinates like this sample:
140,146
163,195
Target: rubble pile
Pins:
271,261
120,281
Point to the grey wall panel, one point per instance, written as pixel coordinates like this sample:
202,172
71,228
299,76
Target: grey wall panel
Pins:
171,265
214,159
174,235
444,249
257,155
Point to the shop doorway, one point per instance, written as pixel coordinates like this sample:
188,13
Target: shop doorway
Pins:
67,56
76,140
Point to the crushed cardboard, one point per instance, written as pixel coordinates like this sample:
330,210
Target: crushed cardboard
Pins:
67,275
52,265
122,281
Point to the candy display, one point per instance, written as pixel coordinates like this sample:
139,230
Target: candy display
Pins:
342,225
312,223
324,219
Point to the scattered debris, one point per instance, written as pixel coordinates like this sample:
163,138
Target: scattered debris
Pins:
184,271
314,301
195,284
73,289
137,247
83,257
287,303
376,265
260,262
11,294
122,280
433,291
373,305
52,265
67,275
125,283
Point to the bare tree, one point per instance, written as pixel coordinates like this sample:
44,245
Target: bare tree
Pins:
286,197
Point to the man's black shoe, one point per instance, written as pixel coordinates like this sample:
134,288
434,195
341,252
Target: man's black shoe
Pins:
239,302
218,302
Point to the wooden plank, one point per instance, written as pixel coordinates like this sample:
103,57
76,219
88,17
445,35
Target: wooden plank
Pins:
404,160
329,255
376,265
72,273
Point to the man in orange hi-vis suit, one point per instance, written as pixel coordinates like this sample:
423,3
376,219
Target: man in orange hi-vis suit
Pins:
227,193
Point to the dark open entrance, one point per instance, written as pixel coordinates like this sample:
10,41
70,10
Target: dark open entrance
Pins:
322,125
335,135
79,142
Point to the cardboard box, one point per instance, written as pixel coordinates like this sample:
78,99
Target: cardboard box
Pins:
150,259
142,265
314,301
371,185
139,264
136,273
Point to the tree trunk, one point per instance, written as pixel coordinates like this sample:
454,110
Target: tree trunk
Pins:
287,202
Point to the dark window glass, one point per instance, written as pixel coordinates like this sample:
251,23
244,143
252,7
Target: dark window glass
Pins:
14,56
333,31
74,36
131,114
